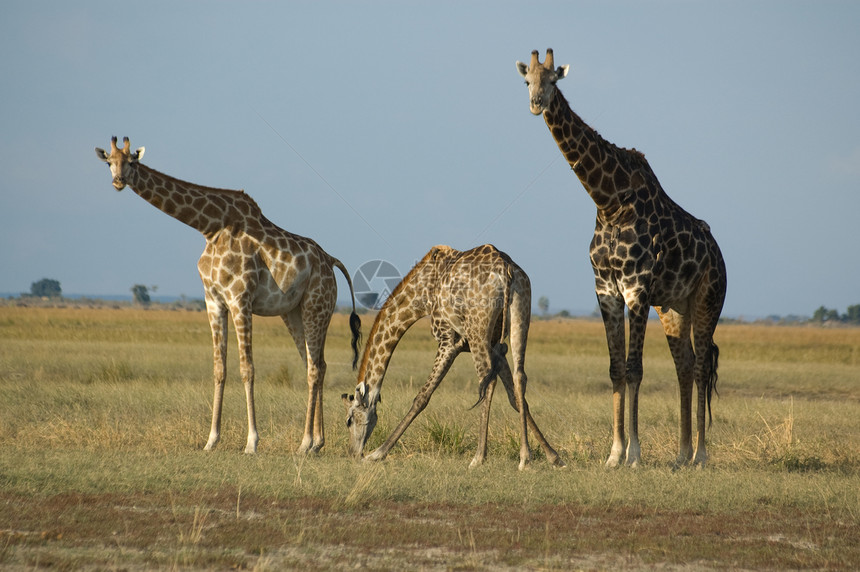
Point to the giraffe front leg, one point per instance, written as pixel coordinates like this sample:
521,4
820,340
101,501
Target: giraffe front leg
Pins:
612,310
445,355
218,325
215,428
242,322
637,316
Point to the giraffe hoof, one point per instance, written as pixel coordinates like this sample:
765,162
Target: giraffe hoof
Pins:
374,457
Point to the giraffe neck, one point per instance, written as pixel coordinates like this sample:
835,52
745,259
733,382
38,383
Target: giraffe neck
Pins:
206,209
603,169
409,302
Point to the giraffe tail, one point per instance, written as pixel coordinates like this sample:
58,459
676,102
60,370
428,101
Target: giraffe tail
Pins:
354,320
496,356
712,360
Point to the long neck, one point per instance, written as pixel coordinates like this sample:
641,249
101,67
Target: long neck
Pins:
206,209
407,304
603,169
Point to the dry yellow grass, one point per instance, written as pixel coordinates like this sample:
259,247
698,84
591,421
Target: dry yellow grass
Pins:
106,410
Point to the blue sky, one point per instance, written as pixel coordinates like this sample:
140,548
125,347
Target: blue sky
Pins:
382,128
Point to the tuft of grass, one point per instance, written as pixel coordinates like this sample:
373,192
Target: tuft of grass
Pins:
113,371
281,377
445,437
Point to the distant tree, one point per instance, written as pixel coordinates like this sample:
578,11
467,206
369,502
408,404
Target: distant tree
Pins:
852,315
823,314
140,294
46,287
564,314
543,305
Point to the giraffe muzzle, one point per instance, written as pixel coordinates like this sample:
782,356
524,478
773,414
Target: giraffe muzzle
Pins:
119,182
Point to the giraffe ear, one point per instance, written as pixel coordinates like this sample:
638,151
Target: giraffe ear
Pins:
100,153
561,72
137,155
361,393
522,68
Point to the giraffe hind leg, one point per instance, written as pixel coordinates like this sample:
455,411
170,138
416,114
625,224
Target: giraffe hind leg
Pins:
508,382
313,438
677,330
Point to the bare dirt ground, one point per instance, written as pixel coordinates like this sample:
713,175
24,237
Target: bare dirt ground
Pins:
227,531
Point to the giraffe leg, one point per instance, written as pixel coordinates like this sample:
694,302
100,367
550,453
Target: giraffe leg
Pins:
315,335
508,382
218,325
677,329
481,355
293,320
706,379
637,316
243,323
445,355
316,378
612,310
481,453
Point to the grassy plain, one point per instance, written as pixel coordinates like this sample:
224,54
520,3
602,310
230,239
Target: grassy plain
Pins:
104,414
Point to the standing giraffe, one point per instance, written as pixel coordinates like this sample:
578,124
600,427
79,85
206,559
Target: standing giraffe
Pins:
249,266
646,251
474,299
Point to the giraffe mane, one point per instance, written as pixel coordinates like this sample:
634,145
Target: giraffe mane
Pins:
392,300
230,194
630,157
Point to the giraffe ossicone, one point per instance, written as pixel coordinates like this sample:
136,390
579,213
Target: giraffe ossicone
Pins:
475,299
249,266
646,252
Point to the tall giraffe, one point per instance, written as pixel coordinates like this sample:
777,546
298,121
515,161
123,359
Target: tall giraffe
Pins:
646,251
474,299
249,266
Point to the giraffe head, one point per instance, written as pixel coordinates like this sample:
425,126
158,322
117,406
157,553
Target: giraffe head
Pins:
120,161
360,416
541,78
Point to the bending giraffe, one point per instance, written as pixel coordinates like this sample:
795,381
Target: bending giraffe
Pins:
646,251
474,299
249,266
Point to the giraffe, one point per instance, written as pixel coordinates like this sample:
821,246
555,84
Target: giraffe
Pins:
249,266
474,299
646,251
